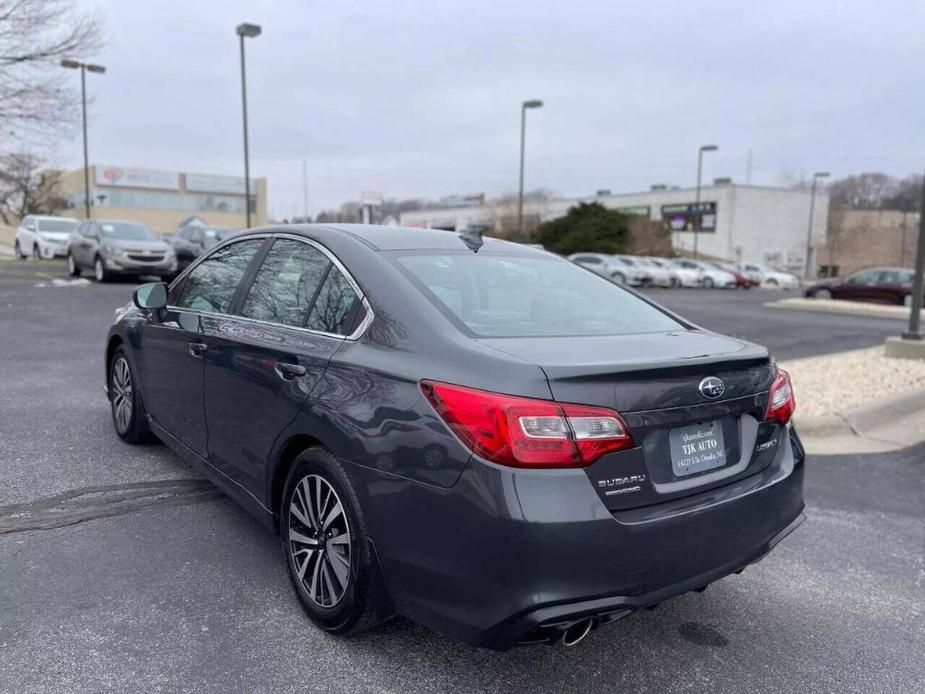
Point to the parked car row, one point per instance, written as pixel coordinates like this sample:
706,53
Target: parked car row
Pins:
646,271
114,247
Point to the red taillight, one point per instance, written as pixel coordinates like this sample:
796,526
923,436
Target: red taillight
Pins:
781,402
526,432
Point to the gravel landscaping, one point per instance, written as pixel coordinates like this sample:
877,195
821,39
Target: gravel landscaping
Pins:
834,382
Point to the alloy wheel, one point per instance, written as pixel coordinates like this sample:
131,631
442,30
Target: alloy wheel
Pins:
98,270
319,541
123,394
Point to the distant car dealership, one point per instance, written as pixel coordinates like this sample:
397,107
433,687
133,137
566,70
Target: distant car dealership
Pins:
163,199
739,222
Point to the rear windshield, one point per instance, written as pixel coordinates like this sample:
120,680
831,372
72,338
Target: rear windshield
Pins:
500,295
57,224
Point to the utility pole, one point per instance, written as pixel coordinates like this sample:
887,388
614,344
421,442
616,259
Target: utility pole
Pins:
83,67
914,332
699,214
533,103
304,190
808,271
246,31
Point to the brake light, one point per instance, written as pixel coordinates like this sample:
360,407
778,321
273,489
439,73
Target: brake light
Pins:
528,432
781,401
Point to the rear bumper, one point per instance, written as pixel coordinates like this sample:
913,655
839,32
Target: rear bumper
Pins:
506,554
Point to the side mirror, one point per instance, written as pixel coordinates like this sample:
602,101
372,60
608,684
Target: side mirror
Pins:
150,297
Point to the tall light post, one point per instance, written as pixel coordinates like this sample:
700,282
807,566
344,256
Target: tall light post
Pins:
703,148
84,67
809,231
533,103
246,31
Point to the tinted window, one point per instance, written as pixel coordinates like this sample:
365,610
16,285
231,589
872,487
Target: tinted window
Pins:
287,283
335,310
126,230
589,259
211,285
896,277
497,295
864,276
60,225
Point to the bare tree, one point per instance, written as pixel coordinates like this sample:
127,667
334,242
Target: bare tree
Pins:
25,188
34,36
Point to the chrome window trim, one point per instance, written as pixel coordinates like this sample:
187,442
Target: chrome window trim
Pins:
355,335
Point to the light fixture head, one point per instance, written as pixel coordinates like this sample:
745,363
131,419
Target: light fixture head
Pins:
249,30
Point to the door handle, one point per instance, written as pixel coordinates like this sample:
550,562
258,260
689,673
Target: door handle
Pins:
197,349
288,371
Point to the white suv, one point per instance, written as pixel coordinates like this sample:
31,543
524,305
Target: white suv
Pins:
43,237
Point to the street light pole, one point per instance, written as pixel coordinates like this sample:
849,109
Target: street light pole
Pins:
246,31
83,67
914,333
703,148
533,103
809,232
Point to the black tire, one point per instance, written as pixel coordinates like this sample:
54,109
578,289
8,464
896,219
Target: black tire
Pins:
99,270
674,282
708,282
72,268
822,294
17,250
772,283
618,277
362,604
130,424
36,254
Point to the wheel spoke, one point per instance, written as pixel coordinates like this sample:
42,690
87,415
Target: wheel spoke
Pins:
339,571
297,512
332,516
308,558
309,506
296,536
343,539
314,588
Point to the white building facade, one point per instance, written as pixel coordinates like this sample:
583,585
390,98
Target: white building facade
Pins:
739,223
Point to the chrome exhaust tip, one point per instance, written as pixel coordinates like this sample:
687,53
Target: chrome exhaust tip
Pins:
576,632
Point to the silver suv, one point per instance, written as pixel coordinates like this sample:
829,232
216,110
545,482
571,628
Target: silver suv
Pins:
114,247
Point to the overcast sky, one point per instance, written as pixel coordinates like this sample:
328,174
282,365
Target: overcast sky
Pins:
422,99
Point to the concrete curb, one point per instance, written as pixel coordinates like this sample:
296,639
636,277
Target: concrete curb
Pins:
864,419
854,308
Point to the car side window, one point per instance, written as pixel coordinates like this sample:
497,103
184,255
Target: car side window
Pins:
210,287
895,277
337,308
287,283
589,259
864,277
28,224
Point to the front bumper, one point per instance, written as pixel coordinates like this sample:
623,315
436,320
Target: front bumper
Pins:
508,554
52,250
127,266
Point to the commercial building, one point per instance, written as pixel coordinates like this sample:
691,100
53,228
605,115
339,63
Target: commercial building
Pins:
739,222
162,199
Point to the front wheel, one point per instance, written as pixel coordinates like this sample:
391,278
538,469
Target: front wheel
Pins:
36,253
72,268
99,270
327,550
822,294
708,282
618,277
125,400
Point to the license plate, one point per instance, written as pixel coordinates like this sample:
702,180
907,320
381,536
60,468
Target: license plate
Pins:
696,448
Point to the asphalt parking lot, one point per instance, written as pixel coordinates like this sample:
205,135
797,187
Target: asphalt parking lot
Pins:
120,570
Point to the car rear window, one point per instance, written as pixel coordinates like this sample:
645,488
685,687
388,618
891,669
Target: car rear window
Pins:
501,295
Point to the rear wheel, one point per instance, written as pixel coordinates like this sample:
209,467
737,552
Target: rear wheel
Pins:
17,249
772,283
327,550
822,294
708,282
618,277
36,253
72,268
99,270
125,401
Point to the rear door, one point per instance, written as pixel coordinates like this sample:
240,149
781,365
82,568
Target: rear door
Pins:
173,347
263,362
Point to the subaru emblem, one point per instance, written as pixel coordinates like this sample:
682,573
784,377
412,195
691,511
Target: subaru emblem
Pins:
711,387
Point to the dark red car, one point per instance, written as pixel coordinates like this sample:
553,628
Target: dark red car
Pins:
884,285
743,281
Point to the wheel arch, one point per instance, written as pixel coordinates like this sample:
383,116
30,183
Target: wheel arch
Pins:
289,450
112,344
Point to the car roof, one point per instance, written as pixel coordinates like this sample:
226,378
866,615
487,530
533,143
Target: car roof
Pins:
383,238
51,216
